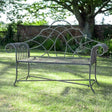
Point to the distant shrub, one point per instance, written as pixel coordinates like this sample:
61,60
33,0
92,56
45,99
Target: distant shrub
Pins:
47,44
9,37
108,42
41,22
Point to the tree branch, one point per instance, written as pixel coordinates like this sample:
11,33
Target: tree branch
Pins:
64,4
92,9
76,11
100,9
106,10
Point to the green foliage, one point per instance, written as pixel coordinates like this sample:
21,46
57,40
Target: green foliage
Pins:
71,43
3,29
107,39
48,44
58,9
13,9
85,11
82,46
107,31
108,42
44,9
41,22
9,36
3,26
2,2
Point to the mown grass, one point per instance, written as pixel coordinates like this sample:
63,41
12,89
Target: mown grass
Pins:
54,96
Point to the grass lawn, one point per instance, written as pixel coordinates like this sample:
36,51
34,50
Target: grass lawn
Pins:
54,96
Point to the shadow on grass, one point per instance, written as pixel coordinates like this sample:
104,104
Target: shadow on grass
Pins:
80,99
75,70
104,88
6,67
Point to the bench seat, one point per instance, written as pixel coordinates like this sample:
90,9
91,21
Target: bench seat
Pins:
57,60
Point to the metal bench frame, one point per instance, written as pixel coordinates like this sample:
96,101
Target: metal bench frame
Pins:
23,55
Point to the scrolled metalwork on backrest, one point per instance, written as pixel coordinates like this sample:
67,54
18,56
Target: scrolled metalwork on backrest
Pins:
69,40
21,50
62,36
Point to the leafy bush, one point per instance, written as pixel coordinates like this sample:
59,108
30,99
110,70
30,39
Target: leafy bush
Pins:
42,22
47,43
108,42
9,37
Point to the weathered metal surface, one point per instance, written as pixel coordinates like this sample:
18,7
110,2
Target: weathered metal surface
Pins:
73,44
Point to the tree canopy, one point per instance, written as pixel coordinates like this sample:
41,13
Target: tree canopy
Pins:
85,11
12,9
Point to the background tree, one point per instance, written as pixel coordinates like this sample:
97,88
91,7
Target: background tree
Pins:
13,9
1,6
85,11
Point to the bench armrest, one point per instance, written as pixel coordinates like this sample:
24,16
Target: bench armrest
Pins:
94,51
21,50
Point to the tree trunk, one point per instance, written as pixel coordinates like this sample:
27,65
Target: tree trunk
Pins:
87,26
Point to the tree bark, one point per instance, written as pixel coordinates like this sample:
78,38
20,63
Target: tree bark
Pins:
87,26
85,16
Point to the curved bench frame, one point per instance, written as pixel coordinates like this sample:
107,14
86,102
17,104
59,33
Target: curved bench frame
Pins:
23,55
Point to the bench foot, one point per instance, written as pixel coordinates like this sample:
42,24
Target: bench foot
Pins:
92,89
97,83
15,83
27,77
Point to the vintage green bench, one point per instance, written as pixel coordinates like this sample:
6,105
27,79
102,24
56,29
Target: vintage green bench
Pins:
73,43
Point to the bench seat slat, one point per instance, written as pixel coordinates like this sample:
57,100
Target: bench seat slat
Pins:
47,60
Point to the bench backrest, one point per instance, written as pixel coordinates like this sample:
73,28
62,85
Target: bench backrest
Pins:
67,39
60,37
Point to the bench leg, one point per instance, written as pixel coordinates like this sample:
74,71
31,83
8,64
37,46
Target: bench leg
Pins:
95,75
16,73
90,84
28,67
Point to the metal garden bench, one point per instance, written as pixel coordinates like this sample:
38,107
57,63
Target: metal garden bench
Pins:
72,43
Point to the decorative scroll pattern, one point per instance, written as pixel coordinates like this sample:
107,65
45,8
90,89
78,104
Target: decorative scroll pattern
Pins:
21,50
94,51
67,38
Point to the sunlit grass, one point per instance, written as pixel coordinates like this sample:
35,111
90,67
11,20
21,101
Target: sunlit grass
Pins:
54,96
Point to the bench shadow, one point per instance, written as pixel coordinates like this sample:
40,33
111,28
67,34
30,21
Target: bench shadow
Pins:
74,69
73,96
104,88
